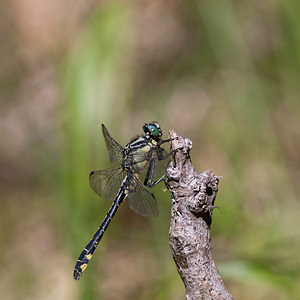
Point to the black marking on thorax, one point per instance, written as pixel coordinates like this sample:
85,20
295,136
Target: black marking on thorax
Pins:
138,143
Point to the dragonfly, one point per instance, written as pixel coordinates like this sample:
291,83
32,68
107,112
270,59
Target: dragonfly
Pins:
123,181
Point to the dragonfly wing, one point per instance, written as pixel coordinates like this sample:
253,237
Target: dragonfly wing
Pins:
160,164
113,147
107,183
141,200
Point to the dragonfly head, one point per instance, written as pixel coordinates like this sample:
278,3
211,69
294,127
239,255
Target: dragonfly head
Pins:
153,129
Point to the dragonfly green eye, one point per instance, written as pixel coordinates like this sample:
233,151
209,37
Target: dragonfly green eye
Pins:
153,129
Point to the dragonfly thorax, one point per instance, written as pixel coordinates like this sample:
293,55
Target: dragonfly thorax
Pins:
138,152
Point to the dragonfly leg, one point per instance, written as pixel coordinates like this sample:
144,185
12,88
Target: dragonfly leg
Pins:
150,172
152,184
150,175
163,157
167,140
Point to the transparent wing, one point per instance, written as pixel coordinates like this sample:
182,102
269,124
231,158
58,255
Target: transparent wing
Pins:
141,200
113,147
107,183
160,164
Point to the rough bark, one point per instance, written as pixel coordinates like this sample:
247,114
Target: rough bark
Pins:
193,197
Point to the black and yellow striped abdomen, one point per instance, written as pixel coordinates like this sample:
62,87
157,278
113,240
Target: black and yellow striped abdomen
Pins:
90,248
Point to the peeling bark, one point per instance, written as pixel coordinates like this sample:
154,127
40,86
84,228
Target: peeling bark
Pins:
193,197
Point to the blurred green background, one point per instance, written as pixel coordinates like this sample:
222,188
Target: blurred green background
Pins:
223,73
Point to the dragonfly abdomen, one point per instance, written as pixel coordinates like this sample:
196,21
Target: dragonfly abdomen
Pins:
90,248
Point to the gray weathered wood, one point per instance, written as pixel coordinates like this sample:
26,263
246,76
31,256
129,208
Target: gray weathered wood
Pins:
193,197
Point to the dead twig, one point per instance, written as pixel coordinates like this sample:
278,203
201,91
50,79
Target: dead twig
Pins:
193,197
